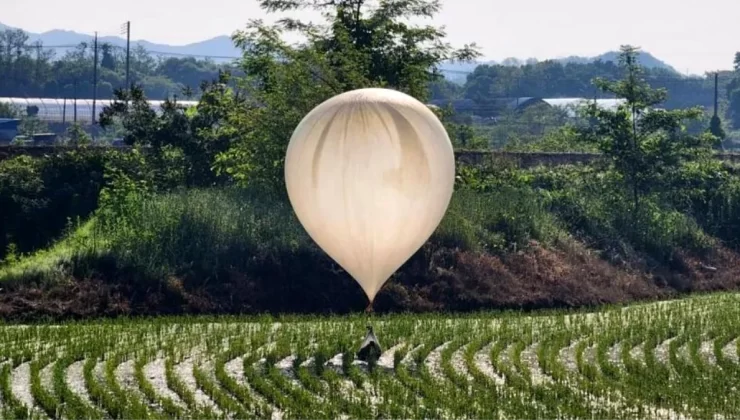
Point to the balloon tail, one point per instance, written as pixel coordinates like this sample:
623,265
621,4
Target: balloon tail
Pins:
369,308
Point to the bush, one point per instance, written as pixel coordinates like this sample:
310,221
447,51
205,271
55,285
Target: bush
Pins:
207,232
502,218
596,208
39,196
504,241
713,198
202,232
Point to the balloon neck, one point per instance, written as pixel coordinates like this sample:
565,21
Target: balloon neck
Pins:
369,308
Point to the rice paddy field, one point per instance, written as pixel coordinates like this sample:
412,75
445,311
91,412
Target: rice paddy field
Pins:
676,360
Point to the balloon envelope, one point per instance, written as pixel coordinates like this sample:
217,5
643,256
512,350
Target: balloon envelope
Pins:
370,174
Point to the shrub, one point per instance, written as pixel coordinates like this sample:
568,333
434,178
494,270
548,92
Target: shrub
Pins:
38,196
201,231
500,219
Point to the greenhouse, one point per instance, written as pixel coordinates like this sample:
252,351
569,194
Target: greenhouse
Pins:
69,110
571,104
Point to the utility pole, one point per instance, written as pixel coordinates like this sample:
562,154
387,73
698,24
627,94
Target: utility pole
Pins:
716,92
127,29
75,102
95,78
38,62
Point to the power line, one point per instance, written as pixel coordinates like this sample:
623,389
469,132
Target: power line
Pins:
151,52
127,29
174,54
119,47
49,47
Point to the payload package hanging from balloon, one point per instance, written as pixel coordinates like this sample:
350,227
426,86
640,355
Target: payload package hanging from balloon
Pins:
370,174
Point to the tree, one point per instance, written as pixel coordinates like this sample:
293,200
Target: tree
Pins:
14,59
77,136
529,125
138,119
715,128
733,94
187,71
645,145
187,92
8,110
359,45
444,89
142,62
553,79
34,71
734,108
109,60
31,125
192,133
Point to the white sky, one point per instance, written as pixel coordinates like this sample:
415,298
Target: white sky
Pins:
693,37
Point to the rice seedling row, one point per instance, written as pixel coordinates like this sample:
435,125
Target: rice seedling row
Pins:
665,360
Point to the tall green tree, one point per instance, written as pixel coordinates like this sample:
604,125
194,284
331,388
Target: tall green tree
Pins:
192,133
77,136
715,128
9,110
734,108
31,125
553,79
733,94
109,60
647,146
360,44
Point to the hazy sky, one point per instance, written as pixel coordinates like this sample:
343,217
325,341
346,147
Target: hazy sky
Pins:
692,36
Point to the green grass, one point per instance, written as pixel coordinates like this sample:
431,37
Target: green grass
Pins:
228,249
660,360
48,263
204,231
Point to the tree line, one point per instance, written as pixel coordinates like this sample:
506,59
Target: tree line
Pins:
553,79
33,70
733,93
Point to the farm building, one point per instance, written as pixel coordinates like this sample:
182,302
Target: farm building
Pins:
489,108
571,104
497,106
53,110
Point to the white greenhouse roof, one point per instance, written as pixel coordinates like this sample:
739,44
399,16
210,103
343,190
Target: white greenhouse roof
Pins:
572,103
59,110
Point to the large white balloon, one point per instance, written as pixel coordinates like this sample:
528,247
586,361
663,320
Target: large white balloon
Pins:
370,174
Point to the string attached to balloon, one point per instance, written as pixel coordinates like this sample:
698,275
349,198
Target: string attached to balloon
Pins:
370,174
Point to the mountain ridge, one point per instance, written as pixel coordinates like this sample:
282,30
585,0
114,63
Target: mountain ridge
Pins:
645,59
221,47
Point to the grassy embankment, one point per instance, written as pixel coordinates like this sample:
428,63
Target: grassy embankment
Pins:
523,239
